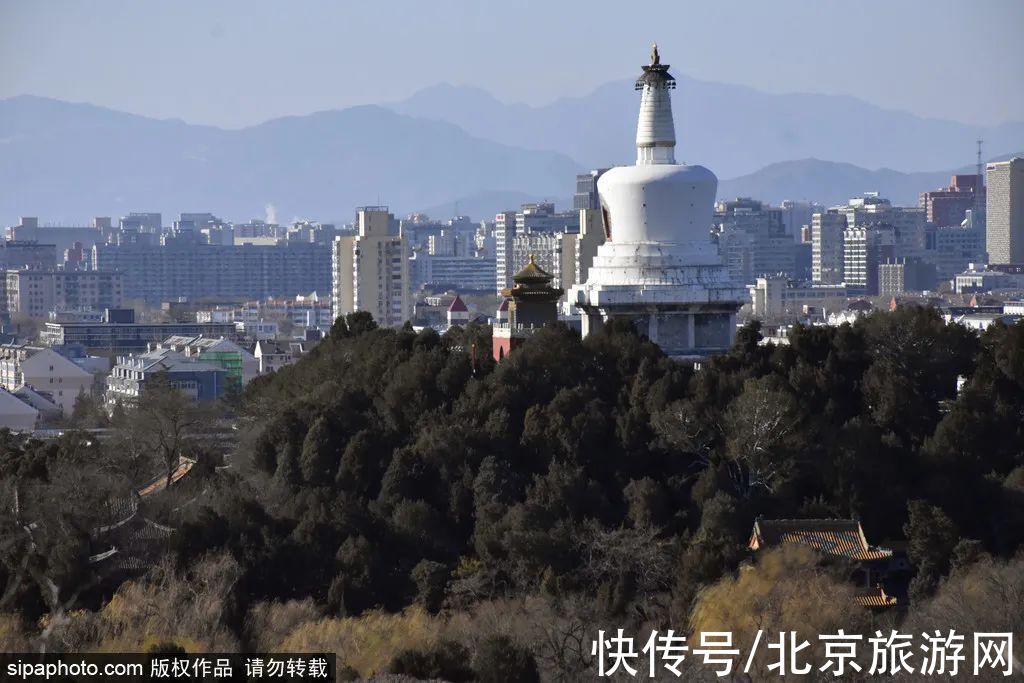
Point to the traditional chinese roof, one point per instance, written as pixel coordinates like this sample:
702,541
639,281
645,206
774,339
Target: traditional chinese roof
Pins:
860,305
531,273
458,305
835,537
874,598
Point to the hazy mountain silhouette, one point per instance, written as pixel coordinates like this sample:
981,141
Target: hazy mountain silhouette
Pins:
67,162
832,183
483,205
60,160
731,129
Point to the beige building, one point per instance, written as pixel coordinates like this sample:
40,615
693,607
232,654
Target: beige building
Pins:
1004,209
591,236
45,371
36,292
370,270
778,297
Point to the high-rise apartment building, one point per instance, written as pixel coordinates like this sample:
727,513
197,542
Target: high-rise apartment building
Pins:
827,247
195,270
531,218
504,234
1004,225
863,250
370,270
586,196
37,292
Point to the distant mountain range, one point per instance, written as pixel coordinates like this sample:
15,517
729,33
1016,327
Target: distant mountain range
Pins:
731,129
831,183
64,161
456,149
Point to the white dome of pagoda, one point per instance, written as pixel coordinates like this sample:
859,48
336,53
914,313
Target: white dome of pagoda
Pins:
658,200
666,203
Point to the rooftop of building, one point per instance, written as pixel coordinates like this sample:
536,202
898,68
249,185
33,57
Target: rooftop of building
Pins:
457,305
833,537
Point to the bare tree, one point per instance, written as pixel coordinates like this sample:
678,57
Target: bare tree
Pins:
162,426
608,554
757,425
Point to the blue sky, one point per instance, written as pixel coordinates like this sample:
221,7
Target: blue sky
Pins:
233,63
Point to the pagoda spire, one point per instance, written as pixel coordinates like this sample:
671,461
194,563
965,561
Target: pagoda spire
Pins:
655,131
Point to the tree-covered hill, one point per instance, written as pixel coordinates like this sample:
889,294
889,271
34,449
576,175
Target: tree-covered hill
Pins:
390,468
400,499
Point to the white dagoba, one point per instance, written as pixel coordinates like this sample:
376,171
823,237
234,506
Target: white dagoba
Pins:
658,266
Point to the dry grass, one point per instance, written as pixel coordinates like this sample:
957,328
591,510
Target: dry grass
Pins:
367,643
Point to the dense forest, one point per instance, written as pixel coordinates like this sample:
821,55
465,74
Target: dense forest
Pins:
403,500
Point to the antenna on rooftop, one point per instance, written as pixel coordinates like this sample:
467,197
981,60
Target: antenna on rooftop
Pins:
981,178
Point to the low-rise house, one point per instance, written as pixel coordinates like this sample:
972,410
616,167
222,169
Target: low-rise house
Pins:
272,355
458,313
48,410
198,380
258,329
15,414
45,371
241,366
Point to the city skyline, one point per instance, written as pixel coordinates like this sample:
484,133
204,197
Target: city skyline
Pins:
238,67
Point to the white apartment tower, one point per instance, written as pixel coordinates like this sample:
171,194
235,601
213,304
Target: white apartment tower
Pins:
1004,209
370,270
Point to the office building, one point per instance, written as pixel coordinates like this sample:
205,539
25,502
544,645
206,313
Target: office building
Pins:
460,273
899,275
797,215
1004,221
61,236
586,196
951,248
142,222
370,270
27,254
752,239
949,205
111,338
